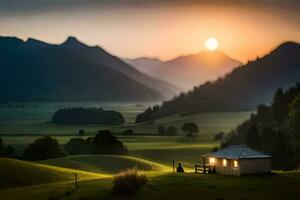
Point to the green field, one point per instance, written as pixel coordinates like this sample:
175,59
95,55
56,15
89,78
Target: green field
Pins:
41,182
105,164
149,152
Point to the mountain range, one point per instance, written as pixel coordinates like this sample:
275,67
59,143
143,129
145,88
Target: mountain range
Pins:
33,70
194,69
243,89
144,64
189,70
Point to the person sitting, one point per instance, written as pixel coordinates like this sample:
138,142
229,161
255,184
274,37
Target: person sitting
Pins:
180,168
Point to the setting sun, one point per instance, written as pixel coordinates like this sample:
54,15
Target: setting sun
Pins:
212,44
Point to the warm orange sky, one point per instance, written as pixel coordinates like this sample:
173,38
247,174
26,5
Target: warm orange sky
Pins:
164,31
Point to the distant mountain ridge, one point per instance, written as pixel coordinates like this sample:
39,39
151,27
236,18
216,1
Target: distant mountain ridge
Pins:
242,89
144,64
33,70
194,69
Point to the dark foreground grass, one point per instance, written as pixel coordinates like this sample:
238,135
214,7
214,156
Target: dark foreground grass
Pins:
168,186
196,186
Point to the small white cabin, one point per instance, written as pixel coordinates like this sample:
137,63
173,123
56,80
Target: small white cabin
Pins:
238,160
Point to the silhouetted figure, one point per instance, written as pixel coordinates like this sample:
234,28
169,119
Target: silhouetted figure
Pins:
213,171
180,168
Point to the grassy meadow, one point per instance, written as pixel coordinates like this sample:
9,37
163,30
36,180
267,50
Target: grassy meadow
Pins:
148,152
145,143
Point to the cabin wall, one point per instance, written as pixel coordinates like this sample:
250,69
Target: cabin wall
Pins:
226,170
255,166
245,166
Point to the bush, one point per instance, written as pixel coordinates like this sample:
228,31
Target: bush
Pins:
43,148
128,182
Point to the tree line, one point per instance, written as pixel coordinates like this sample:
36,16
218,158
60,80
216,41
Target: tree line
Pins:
274,129
47,147
86,116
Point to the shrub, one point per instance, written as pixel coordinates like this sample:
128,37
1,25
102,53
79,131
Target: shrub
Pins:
128,182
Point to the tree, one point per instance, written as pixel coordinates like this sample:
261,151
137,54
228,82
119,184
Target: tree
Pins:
2,148
190,129
43,148
279,106
161,130
106,143
219,136
81,132
128,132
171,130
294,117
267,139
252,137
6,151
78,146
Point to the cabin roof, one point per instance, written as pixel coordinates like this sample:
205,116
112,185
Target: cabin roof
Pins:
238,152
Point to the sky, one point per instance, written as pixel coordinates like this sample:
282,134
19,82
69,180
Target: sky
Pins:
165,29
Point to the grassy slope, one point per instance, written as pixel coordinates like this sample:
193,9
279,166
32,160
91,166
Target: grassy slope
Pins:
176,186
17,173
105,163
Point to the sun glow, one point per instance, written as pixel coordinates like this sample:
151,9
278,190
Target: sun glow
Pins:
212,44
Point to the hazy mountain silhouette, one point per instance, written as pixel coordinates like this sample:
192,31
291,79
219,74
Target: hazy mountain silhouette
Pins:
192,70
144,64
242,89
72,71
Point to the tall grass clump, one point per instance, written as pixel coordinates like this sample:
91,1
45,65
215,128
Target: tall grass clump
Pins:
128,182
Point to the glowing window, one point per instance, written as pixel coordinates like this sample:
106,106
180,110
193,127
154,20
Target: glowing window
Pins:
235,164
212,161
224,162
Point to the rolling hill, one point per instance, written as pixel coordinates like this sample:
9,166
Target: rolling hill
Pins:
192,70
17,173
242,89
33,70
106,164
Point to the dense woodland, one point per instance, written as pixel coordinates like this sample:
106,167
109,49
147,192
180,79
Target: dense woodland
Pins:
274,129
242,89
87,116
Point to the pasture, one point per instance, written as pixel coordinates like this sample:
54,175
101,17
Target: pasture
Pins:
145,143
148,151
161,185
